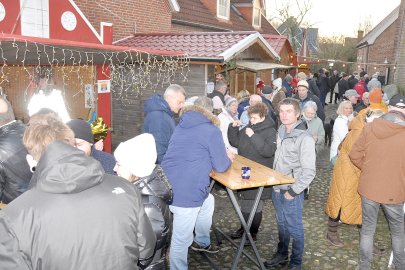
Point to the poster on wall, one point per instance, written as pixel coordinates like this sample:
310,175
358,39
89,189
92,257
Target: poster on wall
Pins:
103,86
88,96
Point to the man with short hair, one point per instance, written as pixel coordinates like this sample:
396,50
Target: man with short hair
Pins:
267,93
304,95
219,92
196,148
352,96
15,174
159,120
379,152
295,156
343,85
84,140
74,216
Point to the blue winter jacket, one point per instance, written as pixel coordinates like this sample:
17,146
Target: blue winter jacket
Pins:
195,149
159,122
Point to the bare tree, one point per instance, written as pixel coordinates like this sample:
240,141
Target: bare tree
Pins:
291,13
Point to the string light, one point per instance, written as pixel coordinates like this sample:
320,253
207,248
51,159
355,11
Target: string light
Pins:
131,72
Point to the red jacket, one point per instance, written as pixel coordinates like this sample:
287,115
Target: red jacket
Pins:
379,153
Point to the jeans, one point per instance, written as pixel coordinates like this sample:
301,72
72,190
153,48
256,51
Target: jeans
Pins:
185,221
395,216
289,223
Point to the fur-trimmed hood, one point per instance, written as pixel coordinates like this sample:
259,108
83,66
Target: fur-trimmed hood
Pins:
202,111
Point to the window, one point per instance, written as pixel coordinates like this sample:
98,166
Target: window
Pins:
223,7
257,16
35,18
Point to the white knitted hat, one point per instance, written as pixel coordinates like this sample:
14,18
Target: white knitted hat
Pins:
138,155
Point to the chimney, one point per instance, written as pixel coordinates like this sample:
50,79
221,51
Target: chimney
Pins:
360,35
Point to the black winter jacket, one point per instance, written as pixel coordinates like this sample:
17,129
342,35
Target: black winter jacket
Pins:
156,194
74,216
15,173
260,147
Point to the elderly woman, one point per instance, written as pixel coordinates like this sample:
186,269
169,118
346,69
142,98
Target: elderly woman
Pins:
340,128
256,141
228,115
136,162
242,97
315,124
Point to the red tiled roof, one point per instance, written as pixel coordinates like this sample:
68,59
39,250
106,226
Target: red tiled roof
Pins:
193,12
277,42
201,45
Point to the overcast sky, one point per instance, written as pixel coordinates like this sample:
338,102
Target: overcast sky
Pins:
337,17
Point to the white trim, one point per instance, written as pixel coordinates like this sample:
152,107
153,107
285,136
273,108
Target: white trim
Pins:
253,17
228,11
98,36
206,78
102,24
246,43
122,39
174,5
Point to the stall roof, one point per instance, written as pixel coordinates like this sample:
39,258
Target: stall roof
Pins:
257,66
17,49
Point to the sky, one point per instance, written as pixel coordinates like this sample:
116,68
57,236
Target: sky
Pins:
340,17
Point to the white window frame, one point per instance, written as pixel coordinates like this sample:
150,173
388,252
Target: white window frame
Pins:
35,18
228,7
257,11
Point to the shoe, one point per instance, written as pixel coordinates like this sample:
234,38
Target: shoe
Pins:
221,193
325,104
378,251
277,259
306,194
237,234
209,249
334,239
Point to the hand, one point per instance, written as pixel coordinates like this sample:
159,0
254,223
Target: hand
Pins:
99,145
236,123
249,132
287,196
230,154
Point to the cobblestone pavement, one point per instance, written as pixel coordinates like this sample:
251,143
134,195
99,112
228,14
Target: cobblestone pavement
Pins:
318,253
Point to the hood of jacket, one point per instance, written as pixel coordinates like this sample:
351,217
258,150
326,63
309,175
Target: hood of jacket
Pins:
388,125
193,115
65,169
156,184
157,103
299,128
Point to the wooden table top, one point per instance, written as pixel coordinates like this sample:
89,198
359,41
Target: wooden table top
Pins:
259,175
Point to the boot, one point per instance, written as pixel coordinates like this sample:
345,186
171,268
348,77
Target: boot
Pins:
238,233
334,239
257,219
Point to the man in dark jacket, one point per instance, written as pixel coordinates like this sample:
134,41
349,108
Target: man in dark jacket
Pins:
343,85
85,140
323,83
74,216
159,120
15,174
333,80
219,92
313,85
304,95
196,148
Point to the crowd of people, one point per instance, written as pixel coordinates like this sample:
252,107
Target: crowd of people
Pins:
70,203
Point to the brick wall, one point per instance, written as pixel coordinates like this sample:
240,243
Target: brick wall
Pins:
128,16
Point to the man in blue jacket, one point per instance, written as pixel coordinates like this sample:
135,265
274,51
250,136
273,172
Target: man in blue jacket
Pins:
195,149
159,119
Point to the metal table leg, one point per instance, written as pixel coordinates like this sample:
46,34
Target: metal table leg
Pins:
246,227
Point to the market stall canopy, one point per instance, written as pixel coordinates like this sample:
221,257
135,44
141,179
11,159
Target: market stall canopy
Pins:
258,66
24,50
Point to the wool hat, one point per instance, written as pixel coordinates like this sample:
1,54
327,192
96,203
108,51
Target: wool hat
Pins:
229,100
350,93
397,101
375,95
81,129
303,83
138,155
267,90
260,85
278,83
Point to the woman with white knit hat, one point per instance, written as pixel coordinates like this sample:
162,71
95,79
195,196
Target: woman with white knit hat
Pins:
136,162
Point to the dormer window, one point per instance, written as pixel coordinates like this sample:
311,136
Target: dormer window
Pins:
223,7
257,16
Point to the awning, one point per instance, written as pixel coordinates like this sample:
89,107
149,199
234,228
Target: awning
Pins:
257,66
